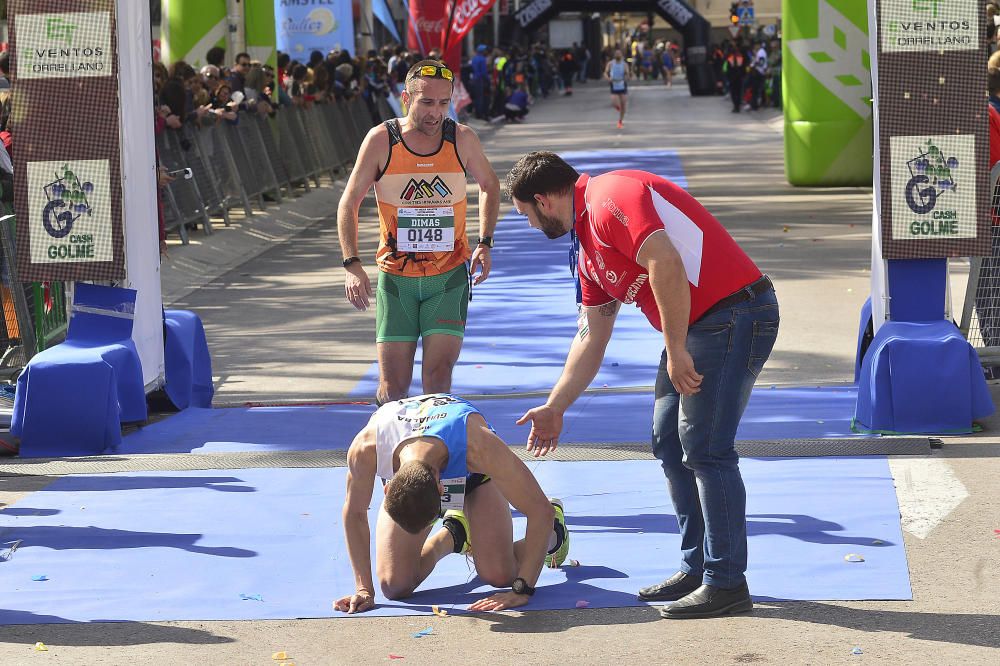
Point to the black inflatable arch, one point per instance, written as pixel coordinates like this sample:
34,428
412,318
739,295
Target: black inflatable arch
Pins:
695,30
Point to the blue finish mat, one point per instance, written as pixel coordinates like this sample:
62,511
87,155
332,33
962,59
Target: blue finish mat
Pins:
792,413
522,319
268,544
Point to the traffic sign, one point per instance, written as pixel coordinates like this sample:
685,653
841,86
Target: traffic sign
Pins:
746,15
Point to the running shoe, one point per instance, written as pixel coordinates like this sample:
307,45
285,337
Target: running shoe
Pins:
459,517
556,558
620,125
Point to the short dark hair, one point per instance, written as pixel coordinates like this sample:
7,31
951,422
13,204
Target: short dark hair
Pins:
993,80
540,172
241,54
216,56
412,498
5,63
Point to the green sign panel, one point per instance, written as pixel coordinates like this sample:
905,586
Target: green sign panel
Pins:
826,85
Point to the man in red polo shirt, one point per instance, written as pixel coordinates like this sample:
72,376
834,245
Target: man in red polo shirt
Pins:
644,240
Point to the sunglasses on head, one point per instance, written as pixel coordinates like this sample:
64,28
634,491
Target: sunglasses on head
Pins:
436,71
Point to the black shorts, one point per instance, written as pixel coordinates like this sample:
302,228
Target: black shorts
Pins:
474,481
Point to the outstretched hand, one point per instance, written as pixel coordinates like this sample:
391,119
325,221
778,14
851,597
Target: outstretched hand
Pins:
546,425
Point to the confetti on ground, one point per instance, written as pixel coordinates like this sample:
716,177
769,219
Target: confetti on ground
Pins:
997,532
479,367
854,557
396,656
857,650
279,656
614,365
251,597
572,563
437,611
424,632
878,542
41,647
785,229
40,577
583,604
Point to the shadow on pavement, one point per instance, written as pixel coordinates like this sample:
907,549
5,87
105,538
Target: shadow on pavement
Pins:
975,629
99,634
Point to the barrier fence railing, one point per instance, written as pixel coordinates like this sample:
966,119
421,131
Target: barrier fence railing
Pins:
255,160
216,169
980,321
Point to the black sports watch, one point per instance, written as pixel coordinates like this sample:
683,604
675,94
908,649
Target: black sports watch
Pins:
520,586
351,260
486,240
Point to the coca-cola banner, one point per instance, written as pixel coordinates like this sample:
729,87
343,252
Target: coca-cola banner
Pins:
428,21
466,13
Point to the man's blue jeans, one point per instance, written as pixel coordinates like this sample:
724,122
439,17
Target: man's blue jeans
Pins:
693,436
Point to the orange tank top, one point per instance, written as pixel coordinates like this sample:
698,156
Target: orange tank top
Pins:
421,207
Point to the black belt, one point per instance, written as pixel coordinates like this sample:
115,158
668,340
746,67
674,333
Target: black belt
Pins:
756,288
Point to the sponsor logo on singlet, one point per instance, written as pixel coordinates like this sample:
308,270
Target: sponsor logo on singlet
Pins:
633,289
615,211
417,190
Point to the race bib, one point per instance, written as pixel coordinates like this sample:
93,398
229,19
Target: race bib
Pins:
618,86
454,494
426,229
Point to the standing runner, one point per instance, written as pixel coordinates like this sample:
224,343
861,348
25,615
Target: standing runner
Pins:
617,72
419,165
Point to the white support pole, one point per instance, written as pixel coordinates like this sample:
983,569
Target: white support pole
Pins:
139,207
236,37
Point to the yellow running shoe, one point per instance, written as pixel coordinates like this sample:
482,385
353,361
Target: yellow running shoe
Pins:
459,521
557,557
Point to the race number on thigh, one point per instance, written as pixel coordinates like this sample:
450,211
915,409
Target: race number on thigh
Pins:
430,229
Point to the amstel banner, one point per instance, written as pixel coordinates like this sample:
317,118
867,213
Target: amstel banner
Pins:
67,160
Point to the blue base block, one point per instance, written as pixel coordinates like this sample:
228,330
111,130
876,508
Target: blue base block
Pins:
187,364
921,377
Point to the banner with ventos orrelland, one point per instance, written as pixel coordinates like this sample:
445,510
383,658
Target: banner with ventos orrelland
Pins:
65,120
932,184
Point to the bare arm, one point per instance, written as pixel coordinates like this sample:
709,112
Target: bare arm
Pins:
584,360
361,466
371,158
668,280
487,454
480,169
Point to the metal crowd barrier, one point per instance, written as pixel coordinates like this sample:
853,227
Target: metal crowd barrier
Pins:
981,312
259,159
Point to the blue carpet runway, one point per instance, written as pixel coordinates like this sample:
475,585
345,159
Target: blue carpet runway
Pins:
268,543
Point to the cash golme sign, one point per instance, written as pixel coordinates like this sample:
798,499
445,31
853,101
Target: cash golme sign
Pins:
465,14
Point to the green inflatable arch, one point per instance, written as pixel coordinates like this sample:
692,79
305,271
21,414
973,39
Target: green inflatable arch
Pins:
827,89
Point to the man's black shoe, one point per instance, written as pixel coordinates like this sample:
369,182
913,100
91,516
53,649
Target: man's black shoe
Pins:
676,587
710,601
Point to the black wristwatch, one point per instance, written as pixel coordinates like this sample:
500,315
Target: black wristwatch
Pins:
520,586
486,240
351,260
